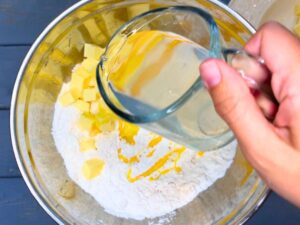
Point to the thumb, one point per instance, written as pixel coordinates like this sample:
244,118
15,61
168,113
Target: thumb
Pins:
275,161
234,102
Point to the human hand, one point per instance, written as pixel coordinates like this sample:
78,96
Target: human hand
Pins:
272,147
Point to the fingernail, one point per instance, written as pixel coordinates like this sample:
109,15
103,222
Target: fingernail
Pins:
210,74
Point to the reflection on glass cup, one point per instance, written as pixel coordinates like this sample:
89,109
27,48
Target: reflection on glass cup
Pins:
149,75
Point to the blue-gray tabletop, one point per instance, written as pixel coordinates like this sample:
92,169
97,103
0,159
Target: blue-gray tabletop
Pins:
20,23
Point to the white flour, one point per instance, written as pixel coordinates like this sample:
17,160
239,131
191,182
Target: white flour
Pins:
143,198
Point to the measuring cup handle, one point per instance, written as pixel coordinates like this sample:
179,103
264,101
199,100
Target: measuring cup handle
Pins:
254,72
252,69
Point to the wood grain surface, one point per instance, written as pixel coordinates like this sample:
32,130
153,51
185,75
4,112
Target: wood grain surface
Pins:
8,165
21,21
17,205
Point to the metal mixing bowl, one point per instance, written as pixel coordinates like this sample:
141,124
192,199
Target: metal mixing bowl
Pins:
261,11
230,200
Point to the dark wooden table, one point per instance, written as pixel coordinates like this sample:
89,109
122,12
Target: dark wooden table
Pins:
21,21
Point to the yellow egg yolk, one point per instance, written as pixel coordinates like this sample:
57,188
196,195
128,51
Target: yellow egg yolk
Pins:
157,165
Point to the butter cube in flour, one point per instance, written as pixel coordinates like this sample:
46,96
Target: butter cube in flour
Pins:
82,72
92,168
105,121
108,127
87,144
92,81
90,94
82,106
67,99
86,122
95,107
90,65
93,51
77,85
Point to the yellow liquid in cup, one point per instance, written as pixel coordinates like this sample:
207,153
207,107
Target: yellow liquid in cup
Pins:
152,70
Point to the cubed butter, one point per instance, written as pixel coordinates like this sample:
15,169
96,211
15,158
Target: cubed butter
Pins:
82,106
90,65
77,93
86,122
67,99
93,51
77,85
90,94
108,126
92,168
102,118
105,121
82,72
92,82
95,106
87,144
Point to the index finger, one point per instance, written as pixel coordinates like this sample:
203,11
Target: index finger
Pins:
276,45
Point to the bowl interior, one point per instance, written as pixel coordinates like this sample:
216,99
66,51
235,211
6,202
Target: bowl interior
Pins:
261,11
49,64
282,12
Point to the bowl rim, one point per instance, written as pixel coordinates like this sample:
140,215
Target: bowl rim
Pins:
13,130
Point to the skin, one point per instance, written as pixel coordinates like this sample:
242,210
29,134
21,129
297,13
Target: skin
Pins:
268,133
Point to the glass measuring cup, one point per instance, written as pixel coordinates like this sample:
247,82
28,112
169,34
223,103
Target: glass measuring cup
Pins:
159,91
